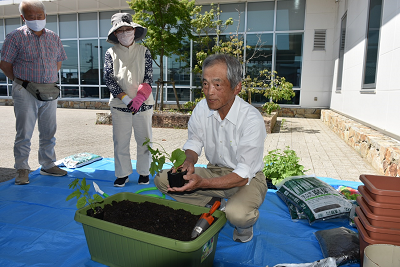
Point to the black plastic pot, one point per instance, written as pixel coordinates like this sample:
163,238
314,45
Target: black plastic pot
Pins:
176,179
270,185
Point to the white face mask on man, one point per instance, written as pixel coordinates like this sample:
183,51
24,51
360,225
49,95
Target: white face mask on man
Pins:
126,38
36,25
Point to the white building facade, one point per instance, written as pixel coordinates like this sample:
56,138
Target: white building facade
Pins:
339,54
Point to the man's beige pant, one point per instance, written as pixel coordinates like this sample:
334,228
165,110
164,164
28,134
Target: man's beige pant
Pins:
243,202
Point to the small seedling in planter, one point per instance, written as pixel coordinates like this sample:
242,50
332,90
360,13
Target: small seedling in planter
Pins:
176,158
83,197
278,165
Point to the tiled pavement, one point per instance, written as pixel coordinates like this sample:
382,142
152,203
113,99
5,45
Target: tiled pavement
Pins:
319,149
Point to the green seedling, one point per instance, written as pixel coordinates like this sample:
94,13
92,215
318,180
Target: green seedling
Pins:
82,194
176,158
278,165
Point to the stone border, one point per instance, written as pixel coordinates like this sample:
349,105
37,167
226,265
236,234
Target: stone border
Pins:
179,121
381,151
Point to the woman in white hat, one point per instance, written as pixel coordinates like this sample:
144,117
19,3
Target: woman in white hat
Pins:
128,74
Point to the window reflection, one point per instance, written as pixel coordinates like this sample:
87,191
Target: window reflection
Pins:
89,62
259,56
51,23
290,15
183,94
88,25
178,70
260,16
12,24
3,90
289,56
236,12
69,68
68,26
90,92
69,91
104,45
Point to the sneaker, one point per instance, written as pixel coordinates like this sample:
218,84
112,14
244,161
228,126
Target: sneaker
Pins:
143,179
243,235
212,201
22,177
53,171
120,182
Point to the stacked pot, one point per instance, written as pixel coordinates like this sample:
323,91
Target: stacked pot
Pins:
378,213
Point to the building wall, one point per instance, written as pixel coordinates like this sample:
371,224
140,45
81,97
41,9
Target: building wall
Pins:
378,108
318,65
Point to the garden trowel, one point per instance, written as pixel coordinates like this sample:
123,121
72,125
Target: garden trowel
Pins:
97,188
206,219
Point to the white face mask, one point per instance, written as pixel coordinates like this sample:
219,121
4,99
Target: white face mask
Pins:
36,25
126,38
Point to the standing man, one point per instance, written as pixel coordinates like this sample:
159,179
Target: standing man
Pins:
128,72
33,53
232,133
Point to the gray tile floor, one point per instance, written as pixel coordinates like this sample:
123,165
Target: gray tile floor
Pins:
319,149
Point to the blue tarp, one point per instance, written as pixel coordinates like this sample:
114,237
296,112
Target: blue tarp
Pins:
37,226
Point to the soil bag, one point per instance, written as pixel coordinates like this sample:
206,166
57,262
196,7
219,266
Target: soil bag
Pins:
79,160
328,262
308,197
340,243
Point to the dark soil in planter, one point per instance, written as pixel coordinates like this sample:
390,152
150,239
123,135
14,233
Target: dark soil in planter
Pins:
151,218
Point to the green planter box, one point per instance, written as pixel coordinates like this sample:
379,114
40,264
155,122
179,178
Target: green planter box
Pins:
116,245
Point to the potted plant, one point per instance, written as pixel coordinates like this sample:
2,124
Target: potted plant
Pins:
176,158
84,198
113,244
280,164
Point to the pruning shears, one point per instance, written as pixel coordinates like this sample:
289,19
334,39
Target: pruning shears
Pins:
97,189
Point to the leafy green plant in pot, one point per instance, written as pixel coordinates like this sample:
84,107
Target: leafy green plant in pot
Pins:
176,158
84,198
280,164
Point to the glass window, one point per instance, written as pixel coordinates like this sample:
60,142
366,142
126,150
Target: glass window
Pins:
105,23
51,23
88,25
69,91
372,44
341,52
68,26
197,47
89,62
289,47
1,30
3,90
290,15
259,56
12,24
90,92
105,93
156,70
182,93
178,70
69,68
260,16
233,11
3,78
104,45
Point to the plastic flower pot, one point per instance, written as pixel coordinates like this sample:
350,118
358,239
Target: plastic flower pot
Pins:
381,255
176,179
116,245
382,189
377,220
384,209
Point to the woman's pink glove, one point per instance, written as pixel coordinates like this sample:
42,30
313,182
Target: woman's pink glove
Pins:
143,93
